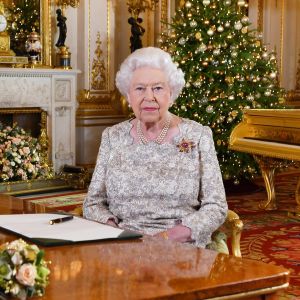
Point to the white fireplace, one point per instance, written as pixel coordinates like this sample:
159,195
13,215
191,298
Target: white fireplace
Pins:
53,90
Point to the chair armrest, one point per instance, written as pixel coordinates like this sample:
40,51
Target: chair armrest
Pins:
234,225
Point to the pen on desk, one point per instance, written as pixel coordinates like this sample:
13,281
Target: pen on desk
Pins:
60,220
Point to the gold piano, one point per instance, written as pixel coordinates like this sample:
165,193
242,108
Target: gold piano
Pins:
271,135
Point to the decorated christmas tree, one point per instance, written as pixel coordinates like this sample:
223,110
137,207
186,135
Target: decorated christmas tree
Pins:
227,69
24,18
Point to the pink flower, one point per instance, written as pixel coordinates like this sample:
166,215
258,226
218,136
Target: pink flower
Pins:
26,150
16,141
26,274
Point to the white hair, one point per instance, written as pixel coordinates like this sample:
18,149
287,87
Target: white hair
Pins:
154,58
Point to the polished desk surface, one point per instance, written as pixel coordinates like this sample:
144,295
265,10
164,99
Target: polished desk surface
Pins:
150,269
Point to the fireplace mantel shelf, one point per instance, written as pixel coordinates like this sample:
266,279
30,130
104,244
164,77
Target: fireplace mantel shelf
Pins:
38,71
53,90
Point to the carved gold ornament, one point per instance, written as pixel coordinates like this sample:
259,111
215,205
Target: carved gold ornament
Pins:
98,68
65,3
135,7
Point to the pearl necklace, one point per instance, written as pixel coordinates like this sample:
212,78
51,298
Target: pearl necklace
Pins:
159,139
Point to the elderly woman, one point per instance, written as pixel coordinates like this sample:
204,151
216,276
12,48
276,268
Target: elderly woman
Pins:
157,173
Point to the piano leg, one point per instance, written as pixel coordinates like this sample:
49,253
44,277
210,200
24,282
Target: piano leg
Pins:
268,167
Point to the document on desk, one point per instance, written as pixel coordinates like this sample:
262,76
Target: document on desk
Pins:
38,228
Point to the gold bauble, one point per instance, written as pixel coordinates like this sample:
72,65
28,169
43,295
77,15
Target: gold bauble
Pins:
198,35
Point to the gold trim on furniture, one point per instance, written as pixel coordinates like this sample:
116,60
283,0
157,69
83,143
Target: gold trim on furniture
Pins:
235,226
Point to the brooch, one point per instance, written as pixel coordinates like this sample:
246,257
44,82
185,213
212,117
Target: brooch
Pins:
185,146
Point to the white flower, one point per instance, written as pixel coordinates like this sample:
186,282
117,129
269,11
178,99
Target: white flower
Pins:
17,258
15,289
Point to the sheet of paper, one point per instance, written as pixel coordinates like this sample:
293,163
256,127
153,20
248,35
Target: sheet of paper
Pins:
76,230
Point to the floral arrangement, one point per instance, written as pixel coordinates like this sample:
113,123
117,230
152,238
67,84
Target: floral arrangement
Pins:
23,271
20,155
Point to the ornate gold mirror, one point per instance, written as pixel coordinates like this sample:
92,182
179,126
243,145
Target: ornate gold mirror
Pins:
25,16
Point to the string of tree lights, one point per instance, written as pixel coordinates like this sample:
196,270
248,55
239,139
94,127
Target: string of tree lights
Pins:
227,69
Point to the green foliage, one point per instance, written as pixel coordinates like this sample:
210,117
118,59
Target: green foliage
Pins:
226,69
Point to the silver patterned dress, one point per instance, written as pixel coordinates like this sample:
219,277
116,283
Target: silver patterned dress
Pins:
152,187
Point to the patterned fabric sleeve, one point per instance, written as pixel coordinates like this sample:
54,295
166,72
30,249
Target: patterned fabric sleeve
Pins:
95,204
212,197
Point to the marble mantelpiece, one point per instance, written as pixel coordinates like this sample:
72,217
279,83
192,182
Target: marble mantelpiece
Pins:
53,90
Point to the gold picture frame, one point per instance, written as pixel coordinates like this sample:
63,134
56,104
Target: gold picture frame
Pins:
45,30
46,34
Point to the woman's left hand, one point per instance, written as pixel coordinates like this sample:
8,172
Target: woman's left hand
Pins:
178,233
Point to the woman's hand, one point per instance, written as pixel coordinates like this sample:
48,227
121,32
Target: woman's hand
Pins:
178,233
111,222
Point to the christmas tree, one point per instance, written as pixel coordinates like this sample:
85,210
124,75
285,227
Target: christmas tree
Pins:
24,18
227,69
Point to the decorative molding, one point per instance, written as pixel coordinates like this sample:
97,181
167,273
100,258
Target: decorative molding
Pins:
65,3
61,110
298,74
135,7
260,15
99,79
282,23
164,5
62,90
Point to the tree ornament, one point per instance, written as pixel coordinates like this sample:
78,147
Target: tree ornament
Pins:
182,41
227,24
273,75
198,35
245,20
220,28
229,119
267,93
216,52
234,113
250,98
244,30
234,54
209,109
202,47
241,3
197,83
231,97
238,25
264,55
188,4
193,24
210,32
227,2
206,2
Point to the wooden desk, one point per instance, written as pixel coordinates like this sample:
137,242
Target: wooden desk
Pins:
152,269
